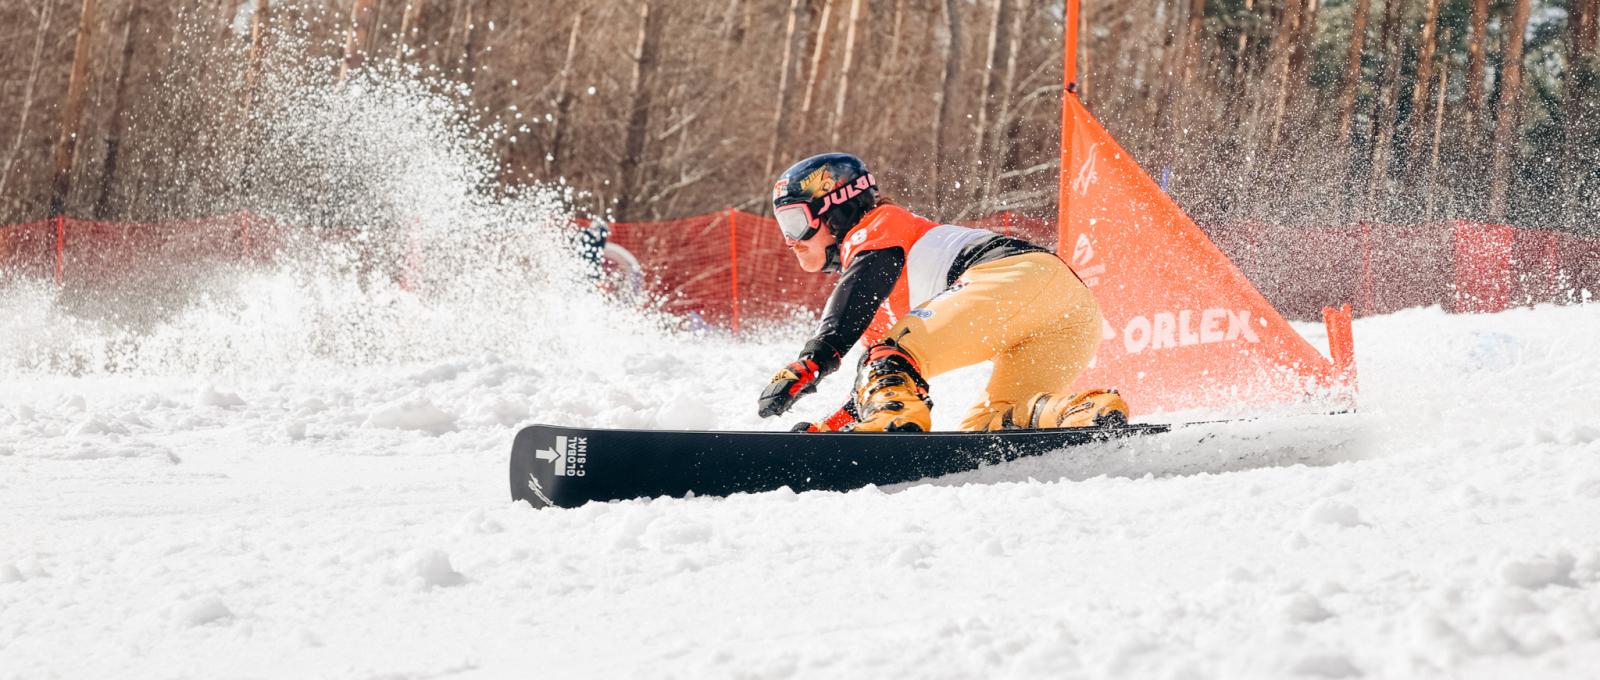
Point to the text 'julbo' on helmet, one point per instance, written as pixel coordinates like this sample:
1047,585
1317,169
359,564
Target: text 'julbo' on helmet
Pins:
833,189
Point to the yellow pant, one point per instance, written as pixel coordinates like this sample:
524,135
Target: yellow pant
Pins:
1029,313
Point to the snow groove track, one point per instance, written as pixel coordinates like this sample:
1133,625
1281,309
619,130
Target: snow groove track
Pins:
352,523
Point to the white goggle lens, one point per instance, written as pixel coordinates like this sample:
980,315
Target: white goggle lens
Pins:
795,221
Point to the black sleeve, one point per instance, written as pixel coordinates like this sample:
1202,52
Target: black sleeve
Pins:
862,287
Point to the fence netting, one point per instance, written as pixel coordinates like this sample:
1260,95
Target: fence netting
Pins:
730,269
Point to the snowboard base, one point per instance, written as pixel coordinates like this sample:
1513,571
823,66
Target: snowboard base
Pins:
569,466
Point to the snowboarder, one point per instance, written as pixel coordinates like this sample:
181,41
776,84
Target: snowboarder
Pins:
925,299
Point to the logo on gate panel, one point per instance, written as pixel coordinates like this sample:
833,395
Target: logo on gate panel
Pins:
1087,174
1083,261
570,455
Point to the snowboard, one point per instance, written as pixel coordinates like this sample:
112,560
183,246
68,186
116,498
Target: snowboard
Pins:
569,466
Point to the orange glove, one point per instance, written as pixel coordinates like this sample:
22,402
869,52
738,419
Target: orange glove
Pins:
794,381
846,415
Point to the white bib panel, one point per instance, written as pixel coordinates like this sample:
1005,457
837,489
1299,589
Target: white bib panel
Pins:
928,263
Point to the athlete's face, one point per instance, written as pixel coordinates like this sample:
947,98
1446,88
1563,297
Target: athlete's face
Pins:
813,252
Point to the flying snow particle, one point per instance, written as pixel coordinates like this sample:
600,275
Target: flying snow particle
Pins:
415,414
1328,511
201,611
1302,608
1326,666
211,396
1539,571
431,569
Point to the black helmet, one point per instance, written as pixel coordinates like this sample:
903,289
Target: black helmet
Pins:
834,189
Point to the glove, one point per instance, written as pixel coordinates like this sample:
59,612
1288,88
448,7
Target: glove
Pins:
841,419
796,379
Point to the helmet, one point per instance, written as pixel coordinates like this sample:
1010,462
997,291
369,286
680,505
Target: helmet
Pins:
832,189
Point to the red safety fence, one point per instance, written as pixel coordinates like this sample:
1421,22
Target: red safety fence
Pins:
726,267
30,250
107,254
731,267
1461,266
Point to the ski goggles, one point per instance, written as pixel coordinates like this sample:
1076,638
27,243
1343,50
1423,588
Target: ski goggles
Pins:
796,222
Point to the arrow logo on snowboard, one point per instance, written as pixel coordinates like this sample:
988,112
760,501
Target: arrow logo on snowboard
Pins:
557,455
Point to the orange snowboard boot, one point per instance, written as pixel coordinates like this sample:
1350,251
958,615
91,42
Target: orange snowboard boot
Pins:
1094,408
890,394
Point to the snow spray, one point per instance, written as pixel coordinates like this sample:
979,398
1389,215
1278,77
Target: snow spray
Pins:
398,244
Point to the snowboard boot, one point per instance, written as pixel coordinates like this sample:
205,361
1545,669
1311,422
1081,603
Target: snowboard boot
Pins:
1094,408
890,394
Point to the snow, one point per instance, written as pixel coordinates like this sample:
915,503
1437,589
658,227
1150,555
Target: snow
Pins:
415,413
301,472
354,522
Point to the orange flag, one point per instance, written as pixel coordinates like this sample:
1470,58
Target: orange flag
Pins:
1183,326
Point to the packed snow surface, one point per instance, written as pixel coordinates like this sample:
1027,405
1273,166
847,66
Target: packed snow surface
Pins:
352,520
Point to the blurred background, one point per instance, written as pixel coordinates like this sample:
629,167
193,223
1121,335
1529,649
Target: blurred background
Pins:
1291,112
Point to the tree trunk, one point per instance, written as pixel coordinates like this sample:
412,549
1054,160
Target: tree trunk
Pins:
409,29
1438,134
1384,115
1507,139
780,118
375,35
1307,38
1300,70
1577,136
894,38
1004,119
471,34
1419,92
552,160
843,90
1284,66
260,21
1159,106
355,54
448,49
227,10
39,35
1241,49
819,61
1192,40
67,147
732,32
1352,74
988,106
1475,70
947,98
639,94
1176,108
1239,112
119,108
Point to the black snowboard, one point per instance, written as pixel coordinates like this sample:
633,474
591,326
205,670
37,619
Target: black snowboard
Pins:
569,466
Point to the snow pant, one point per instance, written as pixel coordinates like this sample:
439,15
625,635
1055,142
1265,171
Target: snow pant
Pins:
1028,313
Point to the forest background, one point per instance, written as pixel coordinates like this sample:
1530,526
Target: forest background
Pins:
1292,112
